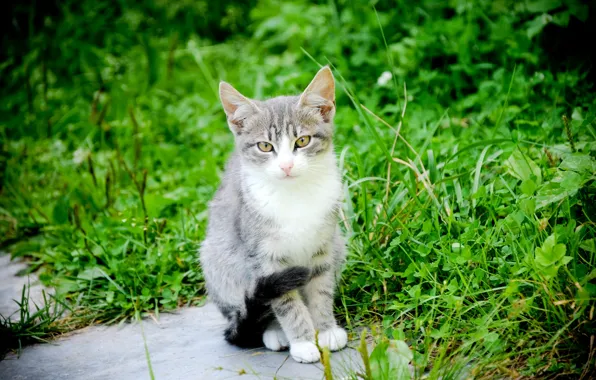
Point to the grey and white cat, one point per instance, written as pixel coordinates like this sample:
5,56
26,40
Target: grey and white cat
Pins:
273,248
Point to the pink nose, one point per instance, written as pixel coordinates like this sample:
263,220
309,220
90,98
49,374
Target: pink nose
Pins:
286,167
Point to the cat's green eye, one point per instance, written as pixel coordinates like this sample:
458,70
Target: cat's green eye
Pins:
302,141
265,146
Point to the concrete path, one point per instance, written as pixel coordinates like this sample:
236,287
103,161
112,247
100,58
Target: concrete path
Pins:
187,344
11,287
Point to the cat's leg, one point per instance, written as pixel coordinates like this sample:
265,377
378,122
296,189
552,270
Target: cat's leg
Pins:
295,320
275,338
319,298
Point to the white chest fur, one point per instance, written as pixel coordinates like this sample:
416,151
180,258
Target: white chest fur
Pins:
300,208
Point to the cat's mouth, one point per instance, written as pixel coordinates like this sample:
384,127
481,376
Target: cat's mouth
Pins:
288,177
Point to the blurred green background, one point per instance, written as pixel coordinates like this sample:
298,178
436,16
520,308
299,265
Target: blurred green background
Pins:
465,132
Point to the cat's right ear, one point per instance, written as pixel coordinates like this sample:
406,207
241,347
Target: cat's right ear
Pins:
237,106
320,94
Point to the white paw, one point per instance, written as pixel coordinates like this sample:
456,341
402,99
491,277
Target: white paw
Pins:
275,339
305,352
335,338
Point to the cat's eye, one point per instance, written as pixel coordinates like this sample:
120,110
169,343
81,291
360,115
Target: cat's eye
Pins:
302,141
265,146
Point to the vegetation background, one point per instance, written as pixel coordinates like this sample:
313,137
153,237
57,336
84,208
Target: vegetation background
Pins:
465,131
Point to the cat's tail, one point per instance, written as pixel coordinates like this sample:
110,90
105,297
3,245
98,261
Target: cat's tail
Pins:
247,330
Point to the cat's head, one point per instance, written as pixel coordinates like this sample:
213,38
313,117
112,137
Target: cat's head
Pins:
285,137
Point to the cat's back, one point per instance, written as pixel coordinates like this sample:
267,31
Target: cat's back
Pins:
229,186
225,204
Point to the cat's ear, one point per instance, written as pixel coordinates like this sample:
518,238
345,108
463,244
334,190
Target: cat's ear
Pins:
320,94
237,106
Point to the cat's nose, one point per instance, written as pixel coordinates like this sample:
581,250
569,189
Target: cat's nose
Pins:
286,167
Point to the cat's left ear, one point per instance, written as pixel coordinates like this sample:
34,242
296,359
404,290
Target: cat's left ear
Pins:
320,94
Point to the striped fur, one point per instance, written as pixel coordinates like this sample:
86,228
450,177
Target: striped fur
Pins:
273,250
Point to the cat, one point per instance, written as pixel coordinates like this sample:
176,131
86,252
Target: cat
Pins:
273,249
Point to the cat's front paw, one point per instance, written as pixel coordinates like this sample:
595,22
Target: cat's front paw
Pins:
335,338
305,352
275,339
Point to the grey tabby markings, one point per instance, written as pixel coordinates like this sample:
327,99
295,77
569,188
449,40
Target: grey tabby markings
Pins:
243,256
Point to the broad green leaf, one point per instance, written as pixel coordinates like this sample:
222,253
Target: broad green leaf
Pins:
522,167
528,187
491,337
589,245
528,206
565,184
581,163
550,256
539,6
535,26
389,360
400,356
65,285
571,181
379,362
453,285
155,203
561,19
550,252
402,349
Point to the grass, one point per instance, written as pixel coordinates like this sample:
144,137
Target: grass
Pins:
33,326
469,173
